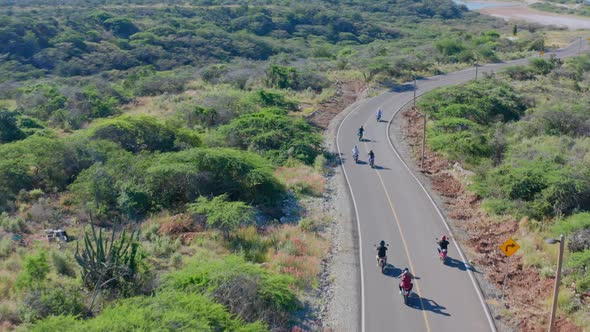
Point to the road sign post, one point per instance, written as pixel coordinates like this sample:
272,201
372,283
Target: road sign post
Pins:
505,277
508,248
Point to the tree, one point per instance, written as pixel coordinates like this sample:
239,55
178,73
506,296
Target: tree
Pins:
282,77
121,26
9,130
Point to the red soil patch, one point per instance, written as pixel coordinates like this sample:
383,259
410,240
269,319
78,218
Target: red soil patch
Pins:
347,92
525,290
180,224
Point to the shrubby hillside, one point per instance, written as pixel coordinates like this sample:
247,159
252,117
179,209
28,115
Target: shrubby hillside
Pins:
171,142
526,135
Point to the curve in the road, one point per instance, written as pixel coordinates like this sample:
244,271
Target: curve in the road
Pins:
403,238
371,211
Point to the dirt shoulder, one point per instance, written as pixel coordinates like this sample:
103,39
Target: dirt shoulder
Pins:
347,93
522,307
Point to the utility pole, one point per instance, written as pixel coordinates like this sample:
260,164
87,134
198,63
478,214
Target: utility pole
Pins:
423,139
557,280
580,45
414,90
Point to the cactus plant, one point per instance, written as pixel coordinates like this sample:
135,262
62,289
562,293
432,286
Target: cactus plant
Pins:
107,263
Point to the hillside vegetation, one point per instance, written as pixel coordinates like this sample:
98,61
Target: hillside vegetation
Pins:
526,135
170,141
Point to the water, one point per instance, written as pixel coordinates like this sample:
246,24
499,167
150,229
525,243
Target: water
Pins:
480,5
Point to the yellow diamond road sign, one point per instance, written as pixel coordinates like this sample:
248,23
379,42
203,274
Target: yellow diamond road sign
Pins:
509,247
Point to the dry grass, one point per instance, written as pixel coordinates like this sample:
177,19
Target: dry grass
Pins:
562,38
347,74
298,253
9,104
302,179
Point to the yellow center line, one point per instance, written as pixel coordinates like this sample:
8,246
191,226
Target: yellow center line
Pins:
401,233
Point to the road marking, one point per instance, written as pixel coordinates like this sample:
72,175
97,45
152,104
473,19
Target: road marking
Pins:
478,290
401,234
358,224
475,285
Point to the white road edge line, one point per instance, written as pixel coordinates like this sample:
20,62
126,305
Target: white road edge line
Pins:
356,211
475,284
479,294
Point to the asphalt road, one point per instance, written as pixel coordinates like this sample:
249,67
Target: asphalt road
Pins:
391,204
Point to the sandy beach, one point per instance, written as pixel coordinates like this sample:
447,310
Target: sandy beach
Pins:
521,12
515,10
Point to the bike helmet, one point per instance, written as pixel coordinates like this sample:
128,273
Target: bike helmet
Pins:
382,243
444,238
406,270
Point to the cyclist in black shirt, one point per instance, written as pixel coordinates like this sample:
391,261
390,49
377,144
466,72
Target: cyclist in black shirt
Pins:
382,251
442,244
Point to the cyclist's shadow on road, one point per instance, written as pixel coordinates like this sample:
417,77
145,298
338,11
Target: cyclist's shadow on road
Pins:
392,271
423,303
451,262
381,167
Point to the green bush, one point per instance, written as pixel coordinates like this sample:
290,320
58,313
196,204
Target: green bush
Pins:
282,77
167,310
544,188
319,164
52,300
274,99
117,184
519,72
573,223
249,243
541,66
6,246
12,224
485,100
179,178
579,262
460,139
271,298
164,246
62,264
221,214
9,129
135,133
274,134
35,270
498,206
136,184
37,162
578,65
